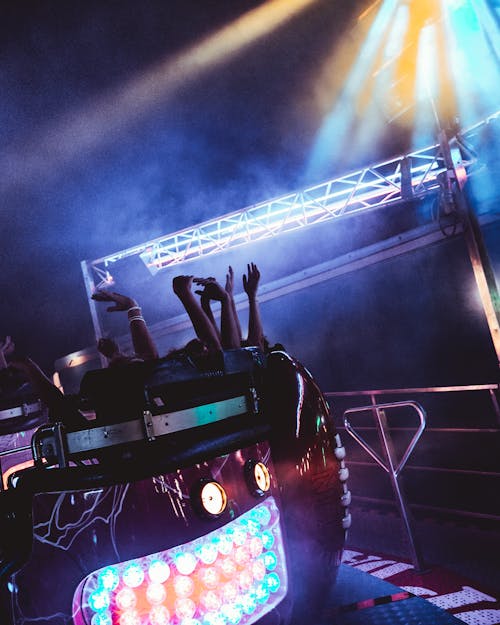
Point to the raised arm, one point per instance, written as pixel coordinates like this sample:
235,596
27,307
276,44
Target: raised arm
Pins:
202,325
144,346
228,328
206,306
230,291
251,284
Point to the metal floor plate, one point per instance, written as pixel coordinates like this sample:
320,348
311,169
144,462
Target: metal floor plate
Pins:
354,587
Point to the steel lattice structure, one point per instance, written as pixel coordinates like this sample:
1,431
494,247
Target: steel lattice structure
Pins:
410,176
389,182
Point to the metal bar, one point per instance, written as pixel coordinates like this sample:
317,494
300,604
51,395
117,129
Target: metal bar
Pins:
159,425
408,523
90,288
405,391
396,428
419,410
332,199
10,452
393,470
359,439
494,401
415,467
418,506
481,265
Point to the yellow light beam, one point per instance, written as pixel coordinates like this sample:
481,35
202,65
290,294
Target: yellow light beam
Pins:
110,115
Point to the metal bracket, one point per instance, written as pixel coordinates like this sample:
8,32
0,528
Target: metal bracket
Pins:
49,442
148,425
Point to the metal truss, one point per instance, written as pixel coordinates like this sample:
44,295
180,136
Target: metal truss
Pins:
406,177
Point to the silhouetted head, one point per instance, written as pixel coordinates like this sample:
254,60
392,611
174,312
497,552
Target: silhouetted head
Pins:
108,347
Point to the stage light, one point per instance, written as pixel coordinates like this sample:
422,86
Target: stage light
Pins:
109,578
159,615
125,599
426,120
99,600
183,586
418,67
337,127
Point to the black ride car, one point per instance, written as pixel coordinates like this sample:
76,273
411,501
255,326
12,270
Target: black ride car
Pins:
194,492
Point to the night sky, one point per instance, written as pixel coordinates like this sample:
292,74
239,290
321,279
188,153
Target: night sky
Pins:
86,169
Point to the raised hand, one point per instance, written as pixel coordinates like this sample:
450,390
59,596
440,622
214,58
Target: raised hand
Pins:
182,285
211,289
251,280
202,323
121,302
230,281
142,341
230,291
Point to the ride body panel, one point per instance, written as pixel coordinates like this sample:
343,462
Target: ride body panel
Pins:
141,499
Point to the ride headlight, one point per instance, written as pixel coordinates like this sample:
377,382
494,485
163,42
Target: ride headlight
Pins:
210,498
257,477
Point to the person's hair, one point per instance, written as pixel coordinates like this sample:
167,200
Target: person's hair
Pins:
108,347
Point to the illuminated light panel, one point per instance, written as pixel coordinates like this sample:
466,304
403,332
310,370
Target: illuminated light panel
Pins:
396,71
337,127
426,121
472,38
233,575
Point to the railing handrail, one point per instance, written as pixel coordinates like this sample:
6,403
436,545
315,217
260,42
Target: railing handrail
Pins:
404,391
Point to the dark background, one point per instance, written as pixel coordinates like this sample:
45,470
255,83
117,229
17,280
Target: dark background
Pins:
85,172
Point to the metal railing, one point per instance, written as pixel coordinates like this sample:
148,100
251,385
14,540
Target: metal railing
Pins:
389,463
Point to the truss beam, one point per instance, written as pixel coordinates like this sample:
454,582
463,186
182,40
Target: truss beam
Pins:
415,175
369,188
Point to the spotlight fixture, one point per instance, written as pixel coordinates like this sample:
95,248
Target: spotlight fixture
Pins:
257,477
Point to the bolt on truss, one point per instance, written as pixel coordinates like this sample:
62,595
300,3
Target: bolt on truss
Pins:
413,175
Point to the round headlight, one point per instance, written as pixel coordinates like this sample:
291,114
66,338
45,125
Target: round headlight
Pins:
210,498
257,477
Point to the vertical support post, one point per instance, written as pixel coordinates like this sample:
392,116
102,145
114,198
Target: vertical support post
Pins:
406,178
406,516
90,288
496,407
481,265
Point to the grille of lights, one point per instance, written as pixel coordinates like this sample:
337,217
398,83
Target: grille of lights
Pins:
231,576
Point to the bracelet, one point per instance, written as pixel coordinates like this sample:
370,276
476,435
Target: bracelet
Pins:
133,308
136,318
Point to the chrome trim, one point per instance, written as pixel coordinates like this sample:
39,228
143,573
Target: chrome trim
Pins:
152,426
21,411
